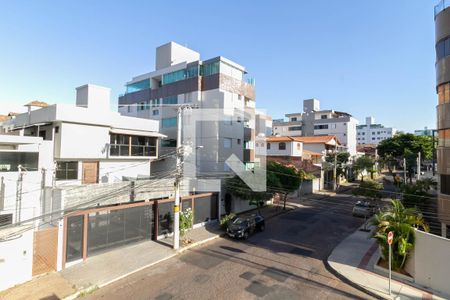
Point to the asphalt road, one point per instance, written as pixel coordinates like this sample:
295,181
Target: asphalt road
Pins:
283,262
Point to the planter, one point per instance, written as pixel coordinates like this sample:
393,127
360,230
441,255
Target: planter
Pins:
382,267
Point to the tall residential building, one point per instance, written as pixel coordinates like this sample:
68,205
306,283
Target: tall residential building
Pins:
424,131
371,133
181,77
313,121
442,26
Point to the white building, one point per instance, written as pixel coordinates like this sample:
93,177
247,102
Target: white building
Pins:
316,122
372,134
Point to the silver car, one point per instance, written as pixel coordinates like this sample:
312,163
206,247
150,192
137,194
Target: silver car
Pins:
363,209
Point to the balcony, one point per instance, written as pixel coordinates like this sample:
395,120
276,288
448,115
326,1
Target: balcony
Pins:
441,6
123,150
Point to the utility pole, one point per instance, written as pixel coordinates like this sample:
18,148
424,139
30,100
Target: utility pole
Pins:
418,166
19,195
176,208
335,169
404,170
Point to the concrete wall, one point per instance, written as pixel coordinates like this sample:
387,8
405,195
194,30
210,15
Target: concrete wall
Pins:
83,141
16,260
430,262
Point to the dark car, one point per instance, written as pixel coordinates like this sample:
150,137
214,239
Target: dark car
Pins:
242,227
364,209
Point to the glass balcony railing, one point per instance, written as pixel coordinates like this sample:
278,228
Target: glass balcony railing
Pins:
443,4
131,151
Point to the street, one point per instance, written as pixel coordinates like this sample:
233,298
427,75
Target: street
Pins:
283,262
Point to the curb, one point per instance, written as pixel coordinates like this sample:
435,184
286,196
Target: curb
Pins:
346,280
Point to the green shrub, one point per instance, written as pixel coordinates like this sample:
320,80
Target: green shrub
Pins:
186,221
224,220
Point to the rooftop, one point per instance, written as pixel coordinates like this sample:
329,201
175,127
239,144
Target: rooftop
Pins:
37,103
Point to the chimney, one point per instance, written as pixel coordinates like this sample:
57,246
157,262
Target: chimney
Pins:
93,97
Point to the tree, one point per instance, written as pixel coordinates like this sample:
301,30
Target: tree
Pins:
392,151
416,195
402,222
341,159
279,179
288,179
369,189
363,163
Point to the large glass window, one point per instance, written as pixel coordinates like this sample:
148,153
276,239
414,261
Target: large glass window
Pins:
165,221
109,229
138,86
209,69
205,209
10,161
67,170
443,48
169,122
132,145
170,100
295,128
173,76
74,248
321,126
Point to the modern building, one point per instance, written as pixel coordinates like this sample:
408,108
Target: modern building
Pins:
316,122
372,133
442,26
181,78
424,131
263,124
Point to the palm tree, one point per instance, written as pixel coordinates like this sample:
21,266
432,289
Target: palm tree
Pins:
402,222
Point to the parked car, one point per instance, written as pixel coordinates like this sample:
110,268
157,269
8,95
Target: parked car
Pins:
243,227
364,209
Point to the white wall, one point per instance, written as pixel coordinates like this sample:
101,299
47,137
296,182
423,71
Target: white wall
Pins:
430,262
16,260
113,171
83,141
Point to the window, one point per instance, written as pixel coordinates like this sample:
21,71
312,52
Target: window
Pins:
443,48
10,161
129,108
132,145
67,170
56,129
299,146
323,116
169,122
321,126
209,69
173,76
141,106
295,128
293,119
138,86
170,100
282,146
268,146
445,184
168,143
155,112
239,142
227,143
5,219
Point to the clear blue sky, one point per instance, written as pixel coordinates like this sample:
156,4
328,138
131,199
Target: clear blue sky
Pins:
363,57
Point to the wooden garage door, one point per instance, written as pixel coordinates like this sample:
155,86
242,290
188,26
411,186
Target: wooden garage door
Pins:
90,172
45,250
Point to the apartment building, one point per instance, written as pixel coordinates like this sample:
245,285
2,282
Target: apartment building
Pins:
182,78
372,133
263,124
315,122
442,27
424,131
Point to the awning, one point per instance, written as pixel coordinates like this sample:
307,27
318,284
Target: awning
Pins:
137,132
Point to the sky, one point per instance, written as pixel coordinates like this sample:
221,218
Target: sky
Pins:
367,58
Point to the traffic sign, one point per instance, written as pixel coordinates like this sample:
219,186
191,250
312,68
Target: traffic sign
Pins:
390,237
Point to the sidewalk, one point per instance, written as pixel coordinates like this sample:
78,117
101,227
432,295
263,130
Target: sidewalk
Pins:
105,268
354,259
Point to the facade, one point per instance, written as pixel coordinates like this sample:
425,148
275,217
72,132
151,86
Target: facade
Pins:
424,131
181,78
263,124
442,24
316,122
372,134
